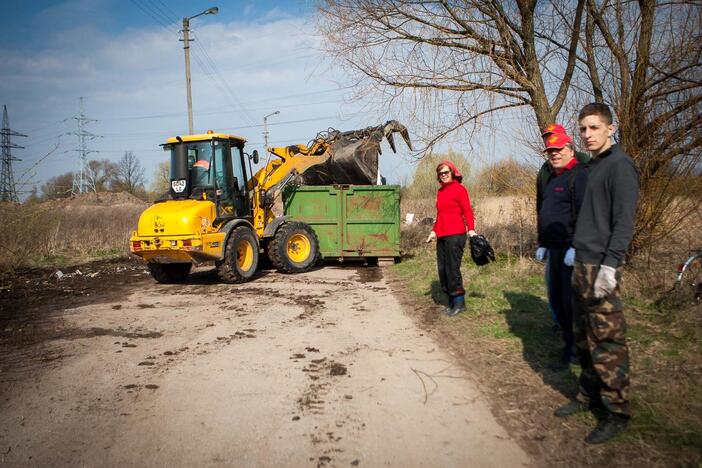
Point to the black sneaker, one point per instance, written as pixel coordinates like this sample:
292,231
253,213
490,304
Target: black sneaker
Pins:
571,408
607,428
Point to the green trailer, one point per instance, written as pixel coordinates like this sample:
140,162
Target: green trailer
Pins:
351,221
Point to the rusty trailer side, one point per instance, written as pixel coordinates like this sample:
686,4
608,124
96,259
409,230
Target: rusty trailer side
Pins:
351,221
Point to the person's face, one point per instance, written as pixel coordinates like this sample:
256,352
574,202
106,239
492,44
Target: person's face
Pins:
596,133
445,174
560,158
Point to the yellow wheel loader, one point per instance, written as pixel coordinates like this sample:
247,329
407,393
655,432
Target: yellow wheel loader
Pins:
216,210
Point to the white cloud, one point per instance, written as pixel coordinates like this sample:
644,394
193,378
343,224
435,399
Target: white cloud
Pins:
140,73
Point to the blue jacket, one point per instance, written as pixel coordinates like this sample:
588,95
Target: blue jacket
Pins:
559,204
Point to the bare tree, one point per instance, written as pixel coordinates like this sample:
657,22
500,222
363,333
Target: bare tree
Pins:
645,59
60,186
162,178
130,174
458,61
99,175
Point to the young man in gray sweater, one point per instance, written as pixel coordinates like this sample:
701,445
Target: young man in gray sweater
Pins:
604,229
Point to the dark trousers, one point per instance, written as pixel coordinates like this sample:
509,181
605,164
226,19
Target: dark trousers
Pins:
560,292
600,333
449,253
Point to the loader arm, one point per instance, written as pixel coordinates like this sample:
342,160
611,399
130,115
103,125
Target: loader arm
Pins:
332,157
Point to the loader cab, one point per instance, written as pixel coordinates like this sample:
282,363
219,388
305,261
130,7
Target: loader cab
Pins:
210,167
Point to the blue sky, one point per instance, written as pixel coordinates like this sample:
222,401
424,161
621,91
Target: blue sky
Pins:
125,59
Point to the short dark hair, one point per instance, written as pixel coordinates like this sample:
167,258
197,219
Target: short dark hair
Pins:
596,108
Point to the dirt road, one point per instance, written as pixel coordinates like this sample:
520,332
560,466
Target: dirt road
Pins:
318,369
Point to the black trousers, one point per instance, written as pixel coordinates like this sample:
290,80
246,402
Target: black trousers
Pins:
449,253
560,292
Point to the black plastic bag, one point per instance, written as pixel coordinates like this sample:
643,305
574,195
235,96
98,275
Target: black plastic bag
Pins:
481,251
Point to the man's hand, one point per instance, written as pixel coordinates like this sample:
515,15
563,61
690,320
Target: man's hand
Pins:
605,281
432,237
472,233
569,258
541,254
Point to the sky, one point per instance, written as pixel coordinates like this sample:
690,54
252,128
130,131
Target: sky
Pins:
125,59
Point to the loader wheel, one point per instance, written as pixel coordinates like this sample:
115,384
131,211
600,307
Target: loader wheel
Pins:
169,272
294,248
240,256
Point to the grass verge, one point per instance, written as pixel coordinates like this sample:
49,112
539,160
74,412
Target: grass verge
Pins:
506,340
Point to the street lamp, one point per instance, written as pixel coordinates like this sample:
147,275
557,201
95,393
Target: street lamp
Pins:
186,47
265,136
265,129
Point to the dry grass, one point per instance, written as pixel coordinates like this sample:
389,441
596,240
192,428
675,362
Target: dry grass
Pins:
54,234
509,222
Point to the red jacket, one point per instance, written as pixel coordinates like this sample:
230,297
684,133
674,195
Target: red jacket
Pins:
453,211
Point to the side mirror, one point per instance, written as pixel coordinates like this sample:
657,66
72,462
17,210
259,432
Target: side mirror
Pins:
254,155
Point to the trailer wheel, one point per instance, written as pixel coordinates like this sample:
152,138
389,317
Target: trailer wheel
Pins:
169,272
240,256
294,248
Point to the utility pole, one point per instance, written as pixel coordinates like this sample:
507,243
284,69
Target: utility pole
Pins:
186,47
9,191
79,185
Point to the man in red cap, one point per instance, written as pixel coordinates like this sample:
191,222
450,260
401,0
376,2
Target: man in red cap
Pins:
558,203
542,179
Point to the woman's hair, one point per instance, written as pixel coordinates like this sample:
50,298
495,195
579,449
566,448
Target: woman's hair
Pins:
455,177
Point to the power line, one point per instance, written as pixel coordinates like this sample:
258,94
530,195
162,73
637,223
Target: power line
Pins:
161,16
7,184
214,110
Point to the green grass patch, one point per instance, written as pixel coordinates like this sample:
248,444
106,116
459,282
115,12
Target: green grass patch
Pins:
508,317
110,252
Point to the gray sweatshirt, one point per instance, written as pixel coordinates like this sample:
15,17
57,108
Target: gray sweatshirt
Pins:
605,223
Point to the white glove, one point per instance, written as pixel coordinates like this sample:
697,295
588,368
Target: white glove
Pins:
432,237
541,254
472,233
605,281
569,258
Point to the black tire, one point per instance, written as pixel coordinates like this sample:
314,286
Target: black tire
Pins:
294,248
169,272
240,256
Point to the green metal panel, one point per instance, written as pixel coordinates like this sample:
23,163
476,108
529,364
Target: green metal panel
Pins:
350,221
320,207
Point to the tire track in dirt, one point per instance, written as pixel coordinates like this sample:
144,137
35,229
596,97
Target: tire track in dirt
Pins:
318,369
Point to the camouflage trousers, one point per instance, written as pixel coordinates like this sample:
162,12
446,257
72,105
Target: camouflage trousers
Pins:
600,330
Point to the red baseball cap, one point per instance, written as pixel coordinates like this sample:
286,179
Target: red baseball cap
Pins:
556,140
553,128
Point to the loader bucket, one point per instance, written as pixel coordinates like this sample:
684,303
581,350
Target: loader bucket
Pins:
354,156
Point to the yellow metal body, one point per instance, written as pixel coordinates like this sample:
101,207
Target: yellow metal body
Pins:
206,137
178,231
184,231
298,248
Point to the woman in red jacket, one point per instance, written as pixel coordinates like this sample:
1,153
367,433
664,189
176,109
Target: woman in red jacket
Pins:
454,217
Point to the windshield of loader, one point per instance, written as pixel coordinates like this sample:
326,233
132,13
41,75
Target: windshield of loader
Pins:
199,164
